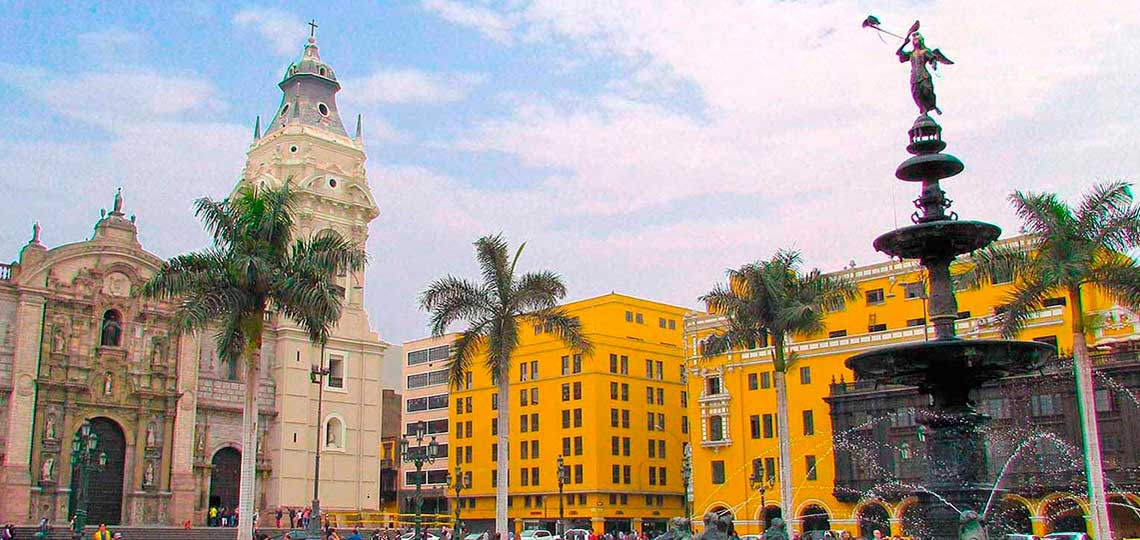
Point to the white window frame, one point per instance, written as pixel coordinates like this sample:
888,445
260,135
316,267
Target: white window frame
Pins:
343,433
344,356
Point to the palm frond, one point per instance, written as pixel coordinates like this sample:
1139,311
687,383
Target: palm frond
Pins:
186,273
491,254
996,263
1021,303
1044,214
536,291
1105,199
568,329
218,219
1118,277
328,249
464,351
451,299
502,340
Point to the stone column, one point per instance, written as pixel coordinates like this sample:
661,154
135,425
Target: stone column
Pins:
16,469
635,524
1039,524
181,439
896,527
598,525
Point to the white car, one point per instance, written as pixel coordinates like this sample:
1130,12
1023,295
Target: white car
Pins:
412,535
538,534
1067,536
476,536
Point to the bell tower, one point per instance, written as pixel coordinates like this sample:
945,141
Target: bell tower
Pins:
306,145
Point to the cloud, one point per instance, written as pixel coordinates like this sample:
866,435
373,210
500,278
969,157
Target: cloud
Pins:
493,25
283,30
112,45
404,86
115,99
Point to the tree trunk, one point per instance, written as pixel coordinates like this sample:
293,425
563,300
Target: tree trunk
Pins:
779,377
504,466
248,484
1086,402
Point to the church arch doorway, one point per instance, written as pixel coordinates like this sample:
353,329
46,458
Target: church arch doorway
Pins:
874,517
105,487
225,477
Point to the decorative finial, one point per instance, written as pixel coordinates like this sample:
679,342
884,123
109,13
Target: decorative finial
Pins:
312,30
117,209
919,56
257,128
35,233
132,218
359,127
102,213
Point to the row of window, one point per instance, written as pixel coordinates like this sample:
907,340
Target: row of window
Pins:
430,378
577,415
768,470
639,318
566,391
528,396
714,385
426,403
428,355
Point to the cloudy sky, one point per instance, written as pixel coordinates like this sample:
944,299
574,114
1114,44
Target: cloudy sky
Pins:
639,146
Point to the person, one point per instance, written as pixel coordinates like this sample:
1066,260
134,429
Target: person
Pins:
277,517
333,535
292,518
186,525
212,516
355,534
102,533
877,534
7,532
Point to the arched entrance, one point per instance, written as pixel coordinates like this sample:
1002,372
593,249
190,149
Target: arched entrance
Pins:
104,487
814,518
1125,516
874,517
1065,515
770,513
1011,517
225,477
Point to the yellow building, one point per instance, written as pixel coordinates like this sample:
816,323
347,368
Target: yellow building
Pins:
733,416
616,416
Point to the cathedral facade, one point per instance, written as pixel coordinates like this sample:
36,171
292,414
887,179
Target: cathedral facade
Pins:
80,345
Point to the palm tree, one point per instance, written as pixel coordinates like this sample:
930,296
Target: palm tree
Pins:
773,300
493,311
1074,250
253,267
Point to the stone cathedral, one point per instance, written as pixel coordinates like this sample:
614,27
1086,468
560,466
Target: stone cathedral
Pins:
78,344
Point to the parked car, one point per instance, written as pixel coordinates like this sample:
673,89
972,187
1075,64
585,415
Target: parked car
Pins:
1022,537
538,534
428,535
1067,536
476,536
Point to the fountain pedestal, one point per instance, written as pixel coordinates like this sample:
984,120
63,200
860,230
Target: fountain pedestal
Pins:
949,369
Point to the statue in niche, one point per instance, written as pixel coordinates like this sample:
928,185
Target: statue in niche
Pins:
108,384
58,340
49,428
151,439
200,440
47,469
157,351
148,474
112,329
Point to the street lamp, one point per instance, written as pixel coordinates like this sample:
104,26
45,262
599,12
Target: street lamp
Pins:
762,484
457,485
561,481
419,455
317,376
687,476
84,461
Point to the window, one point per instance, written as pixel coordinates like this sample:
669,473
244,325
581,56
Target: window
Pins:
459,430
661,449
577,446
661,322
577,390
653,476
766,379
911,323
880,327
533,396
684,398
494,426
577,417
613,363
613,418
874,296
805,375
494,402
334,433
754,425
624,365
684,424
652,448
640,319
1104,400
525,475
836,333
524,449
660,396
718,472
468,402
522,372
914,290
770,469
769,426
524,423
565,446
566,392
996,408
1045,405
534,449
650,423
672,324
534,422
716,428
565,365
649,395
566,419
624,392
615,446
660,370
625,418
625,446
431,378
661,421
809,423
613,391
428,355
1054,302
336,372
578,480
523,397
458,405
615,471
577,368
712,386
629,316
626,473
648,368
809,463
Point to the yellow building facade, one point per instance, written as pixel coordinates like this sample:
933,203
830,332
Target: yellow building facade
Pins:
616,417
733,417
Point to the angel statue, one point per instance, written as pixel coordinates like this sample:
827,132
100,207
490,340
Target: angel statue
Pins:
921,84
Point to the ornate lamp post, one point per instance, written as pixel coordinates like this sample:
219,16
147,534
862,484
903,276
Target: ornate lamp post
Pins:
561,481
687,477
457,485
317,377
419,455
86,458
762,483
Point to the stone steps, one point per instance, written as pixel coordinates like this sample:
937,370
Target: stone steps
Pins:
141,533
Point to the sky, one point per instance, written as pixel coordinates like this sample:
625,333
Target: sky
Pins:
637,146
